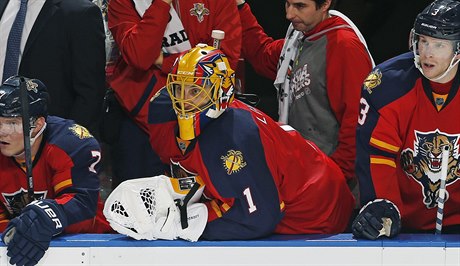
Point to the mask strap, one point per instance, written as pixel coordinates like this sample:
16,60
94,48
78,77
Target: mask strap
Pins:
452,64
33,139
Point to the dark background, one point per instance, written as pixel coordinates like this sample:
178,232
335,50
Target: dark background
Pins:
385,24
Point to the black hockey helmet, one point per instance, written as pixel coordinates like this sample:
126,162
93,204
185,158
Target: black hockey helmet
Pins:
10,97
441,20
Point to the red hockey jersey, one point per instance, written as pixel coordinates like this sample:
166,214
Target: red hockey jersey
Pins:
399,143
259,178
65,169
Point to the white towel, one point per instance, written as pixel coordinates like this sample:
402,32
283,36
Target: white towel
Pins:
174,26
288,54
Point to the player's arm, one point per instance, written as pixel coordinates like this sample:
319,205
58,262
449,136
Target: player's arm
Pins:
245,202
244,217
347,71
224,17
76,181
139,39
377,145
259,49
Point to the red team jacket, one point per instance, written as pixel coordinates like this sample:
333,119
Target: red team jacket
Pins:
136,78
399,143
259,178
337,64
64,169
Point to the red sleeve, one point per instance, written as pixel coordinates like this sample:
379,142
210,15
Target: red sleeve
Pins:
138,39
259,49
348,64
382,151
377,159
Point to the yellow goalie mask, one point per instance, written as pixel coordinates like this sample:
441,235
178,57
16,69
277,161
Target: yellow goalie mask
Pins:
201,86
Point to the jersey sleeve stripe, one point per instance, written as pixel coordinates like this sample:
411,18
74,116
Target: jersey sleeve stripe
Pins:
61,185
384,145
287,128
216,208
389,162
225,207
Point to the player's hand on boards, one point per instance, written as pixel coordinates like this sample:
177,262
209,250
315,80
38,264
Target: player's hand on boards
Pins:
28,236
377,218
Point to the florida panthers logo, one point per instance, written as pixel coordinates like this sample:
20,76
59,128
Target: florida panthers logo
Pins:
233,162
32,86
15,202
373,80
424,162
80,132
199,11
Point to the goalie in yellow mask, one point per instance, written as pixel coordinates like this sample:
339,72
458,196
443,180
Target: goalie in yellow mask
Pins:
201,87
256,177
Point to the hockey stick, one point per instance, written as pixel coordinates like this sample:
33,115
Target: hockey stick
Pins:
442,189
26,131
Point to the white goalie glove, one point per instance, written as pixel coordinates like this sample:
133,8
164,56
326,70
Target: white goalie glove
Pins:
151,208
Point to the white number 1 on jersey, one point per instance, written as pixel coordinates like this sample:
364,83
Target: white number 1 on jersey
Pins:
252,207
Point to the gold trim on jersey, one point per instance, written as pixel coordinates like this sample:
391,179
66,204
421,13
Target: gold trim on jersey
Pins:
62,184
225,207
282,205
439,100
384,145
216,208
389,162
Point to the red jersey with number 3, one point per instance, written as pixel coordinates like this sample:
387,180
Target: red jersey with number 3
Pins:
400,141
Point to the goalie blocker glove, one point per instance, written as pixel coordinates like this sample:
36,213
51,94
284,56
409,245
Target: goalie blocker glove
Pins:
377,218
28,236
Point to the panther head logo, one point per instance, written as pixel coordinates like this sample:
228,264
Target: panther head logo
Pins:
424,162
430,146
199,11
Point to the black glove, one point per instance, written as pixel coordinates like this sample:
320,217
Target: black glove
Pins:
377,218
28,236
